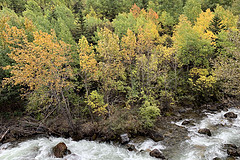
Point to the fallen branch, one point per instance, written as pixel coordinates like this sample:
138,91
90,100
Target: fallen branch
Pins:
2,137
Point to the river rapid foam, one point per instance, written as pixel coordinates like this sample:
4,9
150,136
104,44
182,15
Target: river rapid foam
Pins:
197,147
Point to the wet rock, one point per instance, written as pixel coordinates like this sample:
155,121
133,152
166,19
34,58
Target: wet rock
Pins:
60,150
124,138
212,107
156,136
182,110
156,153
205,131
230,158
230,115
187,122
226,146
232,152
131,147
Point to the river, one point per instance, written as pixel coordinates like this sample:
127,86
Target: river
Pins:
197,147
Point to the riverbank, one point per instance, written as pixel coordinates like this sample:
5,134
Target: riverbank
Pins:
24,127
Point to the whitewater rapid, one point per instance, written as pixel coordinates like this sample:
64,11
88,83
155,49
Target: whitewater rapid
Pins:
203,147
197,147
40,149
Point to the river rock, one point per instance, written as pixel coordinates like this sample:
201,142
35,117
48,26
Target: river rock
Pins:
187,122
226,146
232,152
124,138
131,147
212,107
230,115
156,153
60,150
205,131
230,158
156,136
216,158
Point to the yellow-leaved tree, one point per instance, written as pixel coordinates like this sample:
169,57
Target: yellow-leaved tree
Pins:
42,67
88,65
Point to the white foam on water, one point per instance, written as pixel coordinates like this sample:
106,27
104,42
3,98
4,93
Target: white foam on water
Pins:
149,144
203,147
40,149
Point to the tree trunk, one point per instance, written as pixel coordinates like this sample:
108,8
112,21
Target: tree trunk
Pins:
68,112
87,93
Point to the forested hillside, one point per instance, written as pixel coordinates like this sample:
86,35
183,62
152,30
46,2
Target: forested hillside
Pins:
122,63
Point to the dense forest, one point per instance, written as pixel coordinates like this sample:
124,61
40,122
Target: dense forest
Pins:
121,63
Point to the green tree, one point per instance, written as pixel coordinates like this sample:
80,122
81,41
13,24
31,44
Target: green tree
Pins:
193,49
235,7
227,66
173,7
192,9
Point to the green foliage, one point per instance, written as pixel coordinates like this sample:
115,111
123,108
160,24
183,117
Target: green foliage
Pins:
236,7
173,7
227,65
192,9
216,25
136,20
108,8
203,84
193,50
167,22
13,17
134,58
227,17
149,112
212,4
96,102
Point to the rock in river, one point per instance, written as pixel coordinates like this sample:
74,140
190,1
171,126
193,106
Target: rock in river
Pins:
124,138
156,153
60,150
205,131
156,136
131,147
230,115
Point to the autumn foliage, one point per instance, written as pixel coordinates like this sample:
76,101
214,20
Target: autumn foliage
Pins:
142,58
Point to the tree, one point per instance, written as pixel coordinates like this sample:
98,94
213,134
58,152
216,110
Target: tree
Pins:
108,8
128,50
173,7
227,17
192,9
194,49
137,18
88,65
42,66
111,69
227,66
212,4
236,7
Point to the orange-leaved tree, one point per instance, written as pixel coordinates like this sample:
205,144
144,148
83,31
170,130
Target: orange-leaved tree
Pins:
42,67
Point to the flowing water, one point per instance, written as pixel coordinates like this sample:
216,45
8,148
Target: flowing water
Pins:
203,147
40,149
198,147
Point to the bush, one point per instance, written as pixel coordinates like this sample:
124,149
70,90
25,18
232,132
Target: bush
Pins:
149,113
